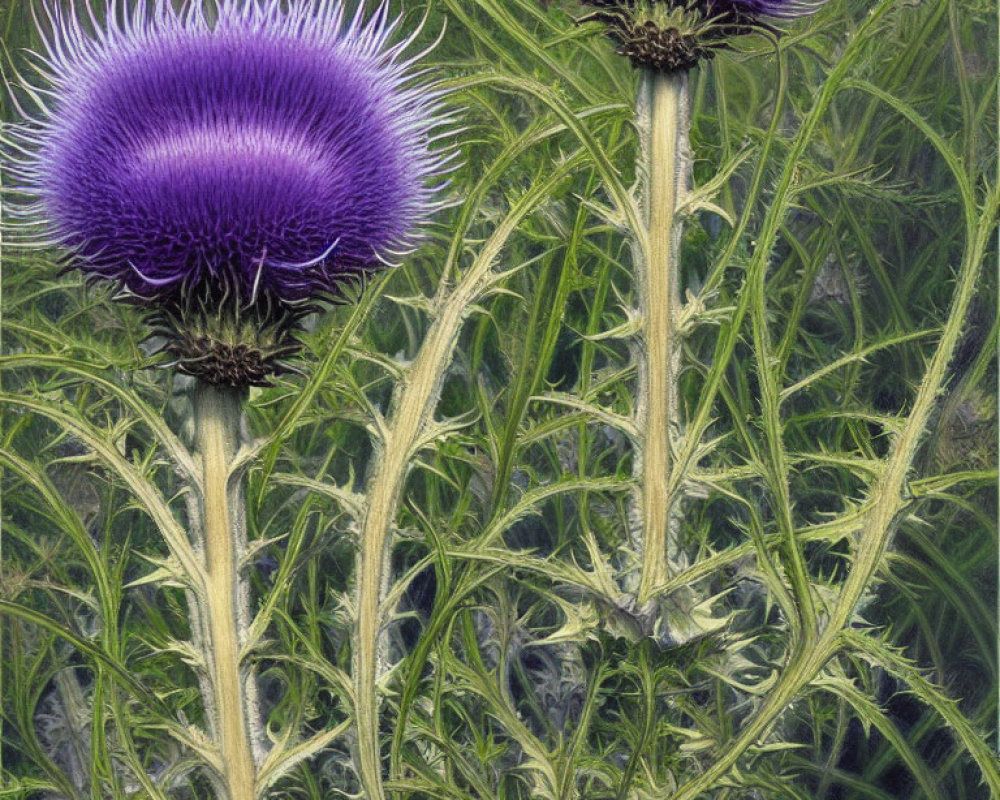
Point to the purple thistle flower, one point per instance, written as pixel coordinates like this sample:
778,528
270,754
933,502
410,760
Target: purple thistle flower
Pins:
270,151
754,10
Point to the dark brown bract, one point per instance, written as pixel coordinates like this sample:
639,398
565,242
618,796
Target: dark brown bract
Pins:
674,35
227,342
223,364
661,49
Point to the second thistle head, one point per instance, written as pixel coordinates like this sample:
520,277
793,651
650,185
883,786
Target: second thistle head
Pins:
674,35
227,171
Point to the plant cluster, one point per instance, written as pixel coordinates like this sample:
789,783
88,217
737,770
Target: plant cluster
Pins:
659,463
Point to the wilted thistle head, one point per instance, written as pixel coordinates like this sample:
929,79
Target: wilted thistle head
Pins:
674,35
227,169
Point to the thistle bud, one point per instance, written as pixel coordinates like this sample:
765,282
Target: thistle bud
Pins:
674,35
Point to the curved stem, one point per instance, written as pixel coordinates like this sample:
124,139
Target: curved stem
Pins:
411,426
888,501
662,119
218,419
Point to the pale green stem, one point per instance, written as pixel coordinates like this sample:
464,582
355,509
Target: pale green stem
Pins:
662,119
877,524
218,414
415,409
413,415
411,426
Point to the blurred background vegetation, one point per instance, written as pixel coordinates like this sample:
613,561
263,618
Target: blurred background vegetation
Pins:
512,679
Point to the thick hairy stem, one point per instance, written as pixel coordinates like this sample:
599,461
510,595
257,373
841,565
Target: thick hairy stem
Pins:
371,577
413,411
410,422
662,119
218,422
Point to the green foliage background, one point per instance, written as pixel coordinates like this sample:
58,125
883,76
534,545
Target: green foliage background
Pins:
519,669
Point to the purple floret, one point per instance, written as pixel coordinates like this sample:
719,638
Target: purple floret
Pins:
274,150
755,9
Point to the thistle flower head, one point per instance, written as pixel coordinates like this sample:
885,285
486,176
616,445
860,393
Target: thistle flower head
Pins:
270,151
674,35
